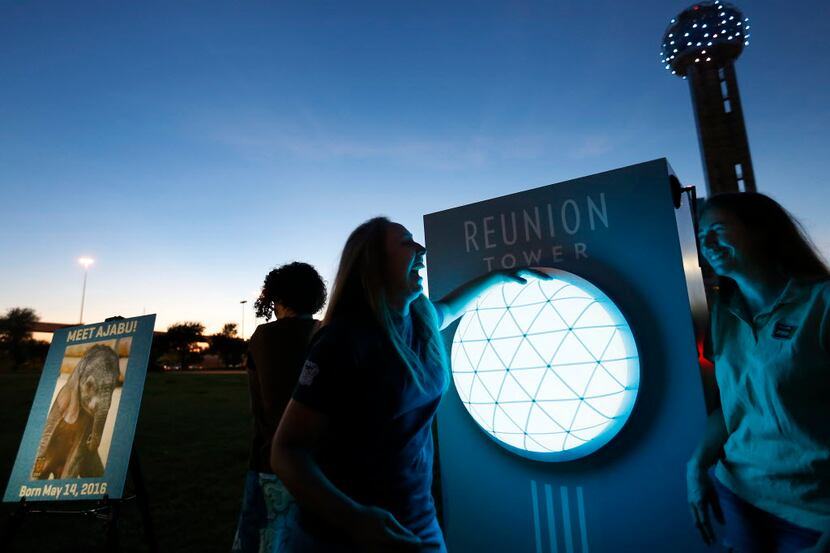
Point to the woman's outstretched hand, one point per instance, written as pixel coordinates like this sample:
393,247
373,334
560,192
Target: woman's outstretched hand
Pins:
453,305
702,499
520,275
377,530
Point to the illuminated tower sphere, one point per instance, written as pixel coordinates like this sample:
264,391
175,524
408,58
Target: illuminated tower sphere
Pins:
701,45
548,369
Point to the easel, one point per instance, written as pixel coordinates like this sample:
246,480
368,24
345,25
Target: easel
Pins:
106,509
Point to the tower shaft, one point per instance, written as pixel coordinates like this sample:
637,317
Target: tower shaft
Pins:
724,146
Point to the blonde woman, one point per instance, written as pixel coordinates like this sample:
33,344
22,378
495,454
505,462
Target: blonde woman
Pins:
355,444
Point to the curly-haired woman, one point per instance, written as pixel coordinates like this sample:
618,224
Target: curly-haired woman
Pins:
293,293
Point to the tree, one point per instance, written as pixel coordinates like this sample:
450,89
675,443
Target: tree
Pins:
228,346
182,339
158,351
229,329
16,333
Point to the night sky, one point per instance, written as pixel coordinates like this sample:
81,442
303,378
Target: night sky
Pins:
191,146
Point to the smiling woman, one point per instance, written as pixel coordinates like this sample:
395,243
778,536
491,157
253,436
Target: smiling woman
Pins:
770,330
406,258
355,444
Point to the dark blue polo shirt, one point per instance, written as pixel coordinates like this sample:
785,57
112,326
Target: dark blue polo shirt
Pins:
378,447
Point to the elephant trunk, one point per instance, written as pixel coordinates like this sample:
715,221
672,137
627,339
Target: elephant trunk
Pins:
99,419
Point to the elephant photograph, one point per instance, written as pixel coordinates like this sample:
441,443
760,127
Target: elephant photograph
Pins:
78,432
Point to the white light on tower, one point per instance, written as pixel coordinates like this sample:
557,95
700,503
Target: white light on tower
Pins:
549,369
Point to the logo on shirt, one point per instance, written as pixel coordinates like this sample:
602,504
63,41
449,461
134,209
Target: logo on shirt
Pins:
783,331
310,370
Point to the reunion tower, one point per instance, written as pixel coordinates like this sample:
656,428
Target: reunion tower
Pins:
701,44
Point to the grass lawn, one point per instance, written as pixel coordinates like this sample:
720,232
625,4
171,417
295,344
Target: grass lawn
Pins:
193,438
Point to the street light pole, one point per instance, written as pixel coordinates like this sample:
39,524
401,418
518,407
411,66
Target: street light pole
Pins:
86,262
242,326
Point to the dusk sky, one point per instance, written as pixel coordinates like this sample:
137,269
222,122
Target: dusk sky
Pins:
189,147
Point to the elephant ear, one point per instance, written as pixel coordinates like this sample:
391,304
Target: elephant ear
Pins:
69,398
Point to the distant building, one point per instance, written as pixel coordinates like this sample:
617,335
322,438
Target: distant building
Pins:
701,45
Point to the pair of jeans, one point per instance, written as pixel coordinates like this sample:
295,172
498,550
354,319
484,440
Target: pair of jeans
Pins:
268,516
304,542
752,530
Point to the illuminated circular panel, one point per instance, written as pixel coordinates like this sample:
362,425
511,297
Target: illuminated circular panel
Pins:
548,369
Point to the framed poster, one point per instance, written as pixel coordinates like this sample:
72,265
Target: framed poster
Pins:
77,442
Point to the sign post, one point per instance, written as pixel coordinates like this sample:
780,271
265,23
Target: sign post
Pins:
576,403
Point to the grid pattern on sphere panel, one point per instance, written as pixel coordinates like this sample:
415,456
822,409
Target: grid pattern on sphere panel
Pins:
543,367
